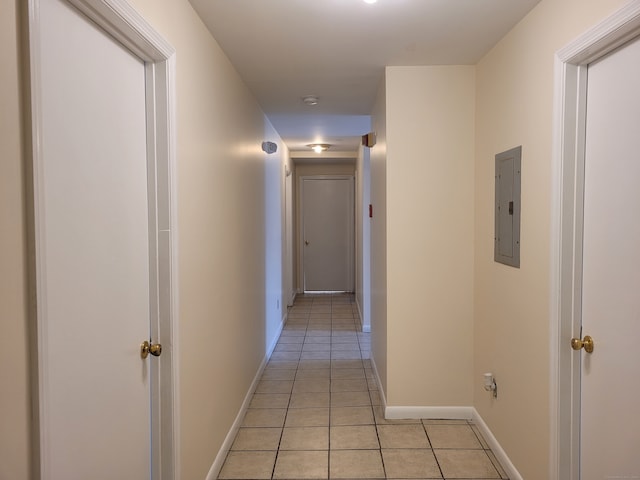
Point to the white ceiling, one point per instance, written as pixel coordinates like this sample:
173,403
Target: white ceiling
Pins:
337,50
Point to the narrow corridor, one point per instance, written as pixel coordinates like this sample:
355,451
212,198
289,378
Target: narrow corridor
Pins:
316,413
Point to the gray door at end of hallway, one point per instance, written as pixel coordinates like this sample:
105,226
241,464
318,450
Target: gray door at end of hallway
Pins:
328,228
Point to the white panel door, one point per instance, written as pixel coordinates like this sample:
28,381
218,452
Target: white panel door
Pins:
610,383
328,233
94,253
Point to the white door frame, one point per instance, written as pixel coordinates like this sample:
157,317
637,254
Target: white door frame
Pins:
567,216
301,245
121,21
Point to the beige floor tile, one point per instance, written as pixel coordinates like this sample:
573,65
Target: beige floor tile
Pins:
344,336
270,400
317,339
413,463
307,417
305,438
309,400
316,347
339,346
350,399
257,439
297,328
352,416
466,464
279,374
346,363
264,417
297,339
315,356
285,356
286,364
313,373
346,355
352,464
314,364
300,465
375,397
275,386
360,437
288,347
244,465
452,436
311,386
340,360
318,332
403,436
347,373
349,385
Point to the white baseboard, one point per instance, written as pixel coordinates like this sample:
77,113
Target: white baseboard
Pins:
214,471
457,413
497,450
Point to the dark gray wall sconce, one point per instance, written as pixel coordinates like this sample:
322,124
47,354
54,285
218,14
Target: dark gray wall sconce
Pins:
269,147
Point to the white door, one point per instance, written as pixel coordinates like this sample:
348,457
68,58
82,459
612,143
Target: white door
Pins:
610,383
328,234
93,253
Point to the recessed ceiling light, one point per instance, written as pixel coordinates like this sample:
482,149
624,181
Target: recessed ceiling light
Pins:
319,147
310,100
370,1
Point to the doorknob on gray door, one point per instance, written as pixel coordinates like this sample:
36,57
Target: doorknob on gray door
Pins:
306,242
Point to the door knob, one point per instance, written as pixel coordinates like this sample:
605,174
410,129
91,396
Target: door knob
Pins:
147,348
586,343
306,242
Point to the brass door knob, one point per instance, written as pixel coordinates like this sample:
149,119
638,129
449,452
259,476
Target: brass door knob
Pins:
147,348
586,343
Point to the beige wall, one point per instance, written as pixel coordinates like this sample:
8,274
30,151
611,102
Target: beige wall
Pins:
430,140
14,364
514,107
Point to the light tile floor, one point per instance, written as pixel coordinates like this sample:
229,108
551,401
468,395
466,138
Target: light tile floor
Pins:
316,413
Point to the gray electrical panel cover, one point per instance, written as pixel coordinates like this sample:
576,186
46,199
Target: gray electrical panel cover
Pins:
507,214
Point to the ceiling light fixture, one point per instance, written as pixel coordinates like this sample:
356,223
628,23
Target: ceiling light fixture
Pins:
310,100
370,1
319,147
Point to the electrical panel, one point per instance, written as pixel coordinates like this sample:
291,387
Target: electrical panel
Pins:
507,208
